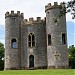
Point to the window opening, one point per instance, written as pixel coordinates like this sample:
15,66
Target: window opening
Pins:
49,39
31,40
14,43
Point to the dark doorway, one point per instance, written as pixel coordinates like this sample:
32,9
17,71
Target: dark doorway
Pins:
31,61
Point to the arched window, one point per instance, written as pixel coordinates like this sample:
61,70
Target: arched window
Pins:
49,39
63,39
31,40
14,43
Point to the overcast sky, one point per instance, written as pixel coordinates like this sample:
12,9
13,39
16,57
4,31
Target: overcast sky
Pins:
30,8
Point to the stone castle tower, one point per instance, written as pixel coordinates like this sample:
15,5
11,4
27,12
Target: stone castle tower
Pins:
36,43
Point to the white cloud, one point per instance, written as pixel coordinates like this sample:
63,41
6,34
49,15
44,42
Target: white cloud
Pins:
31,8
69,17
2,41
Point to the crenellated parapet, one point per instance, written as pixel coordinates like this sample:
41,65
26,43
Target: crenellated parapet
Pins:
12,14
50,6
32,21
42,40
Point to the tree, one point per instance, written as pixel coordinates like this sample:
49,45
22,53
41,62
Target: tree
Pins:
68,7
1,56
71,51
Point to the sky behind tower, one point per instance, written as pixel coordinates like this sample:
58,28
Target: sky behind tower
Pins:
32,8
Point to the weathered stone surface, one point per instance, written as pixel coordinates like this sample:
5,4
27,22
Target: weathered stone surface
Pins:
52,56
55,29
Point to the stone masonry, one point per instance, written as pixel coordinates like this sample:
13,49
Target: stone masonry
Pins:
33,44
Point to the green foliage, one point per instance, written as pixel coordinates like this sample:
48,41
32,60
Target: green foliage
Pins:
71,51
72,62
68,7
1,56
1,51
39,72
1,65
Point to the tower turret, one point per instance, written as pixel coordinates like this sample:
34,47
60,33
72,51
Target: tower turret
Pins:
57,54
12,39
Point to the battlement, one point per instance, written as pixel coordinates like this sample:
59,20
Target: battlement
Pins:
50,6
32,21
7,14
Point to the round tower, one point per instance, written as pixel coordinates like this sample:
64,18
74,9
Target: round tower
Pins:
57,53
12,39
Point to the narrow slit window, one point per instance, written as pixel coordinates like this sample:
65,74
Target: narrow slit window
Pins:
31,40
63,38
48,12
14,43
14,18
49,39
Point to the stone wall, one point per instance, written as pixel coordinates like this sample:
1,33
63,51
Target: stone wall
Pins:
54,55
12,31
39,51
57,54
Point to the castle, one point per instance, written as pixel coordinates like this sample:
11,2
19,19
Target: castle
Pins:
37,43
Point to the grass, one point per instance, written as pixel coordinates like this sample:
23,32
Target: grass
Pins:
39,72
